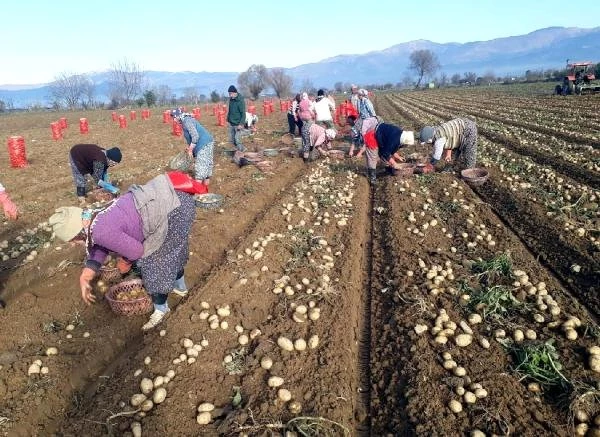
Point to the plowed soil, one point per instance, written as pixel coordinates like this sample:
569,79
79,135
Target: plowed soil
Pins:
312,238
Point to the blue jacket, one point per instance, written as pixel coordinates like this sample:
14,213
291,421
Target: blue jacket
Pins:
195,133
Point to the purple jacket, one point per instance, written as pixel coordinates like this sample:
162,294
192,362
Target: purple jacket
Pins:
117,229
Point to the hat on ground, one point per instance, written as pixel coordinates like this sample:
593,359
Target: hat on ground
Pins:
407,138
330,133
426,135
232,89
114,154
66,222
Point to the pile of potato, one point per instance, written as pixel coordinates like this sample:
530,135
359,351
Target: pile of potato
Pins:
136,293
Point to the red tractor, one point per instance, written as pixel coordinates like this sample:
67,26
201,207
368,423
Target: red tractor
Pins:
580,79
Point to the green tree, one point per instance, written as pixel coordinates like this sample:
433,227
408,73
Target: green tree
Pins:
150,98
215,96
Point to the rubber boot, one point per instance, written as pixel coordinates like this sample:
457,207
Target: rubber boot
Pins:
372,175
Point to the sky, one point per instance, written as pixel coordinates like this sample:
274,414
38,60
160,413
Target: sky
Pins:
42,39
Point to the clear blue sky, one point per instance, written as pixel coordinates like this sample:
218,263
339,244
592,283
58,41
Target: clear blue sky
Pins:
43,38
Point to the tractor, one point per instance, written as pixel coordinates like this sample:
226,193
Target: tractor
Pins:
580,79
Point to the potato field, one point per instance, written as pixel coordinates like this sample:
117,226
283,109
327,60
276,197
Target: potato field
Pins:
320,305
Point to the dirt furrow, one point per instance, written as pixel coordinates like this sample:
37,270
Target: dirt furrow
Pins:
574,171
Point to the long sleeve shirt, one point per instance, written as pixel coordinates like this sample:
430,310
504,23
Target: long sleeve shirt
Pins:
365,108
237,111
195,133
323,109
90,159
388,140
118,229
448,135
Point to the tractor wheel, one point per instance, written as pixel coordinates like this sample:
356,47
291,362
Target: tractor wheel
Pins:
570,87
578,89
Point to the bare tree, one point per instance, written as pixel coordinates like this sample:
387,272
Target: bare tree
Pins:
70,89
191,95
470,77
125,83
424,63
308,86
163,94
254,80
281,82
489,77
443,80
455,79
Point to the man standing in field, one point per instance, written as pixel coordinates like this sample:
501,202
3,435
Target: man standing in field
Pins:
236,117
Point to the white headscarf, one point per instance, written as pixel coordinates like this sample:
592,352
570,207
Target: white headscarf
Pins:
304,96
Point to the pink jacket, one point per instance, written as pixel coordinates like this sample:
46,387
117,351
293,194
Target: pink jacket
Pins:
306,112
317,135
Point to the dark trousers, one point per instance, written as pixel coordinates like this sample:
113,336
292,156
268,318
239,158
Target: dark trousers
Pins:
292,125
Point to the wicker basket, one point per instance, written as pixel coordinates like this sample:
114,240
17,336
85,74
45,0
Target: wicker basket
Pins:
405,170
287,139
475,176
100,195
264,166
109,274
337,154
128,308
209,200
229,153
271,152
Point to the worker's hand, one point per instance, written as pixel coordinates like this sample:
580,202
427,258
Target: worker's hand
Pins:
448,155
123,265
399,158
190,151
239,127
87,275
10,209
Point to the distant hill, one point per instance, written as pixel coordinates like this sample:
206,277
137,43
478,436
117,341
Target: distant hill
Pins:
541,49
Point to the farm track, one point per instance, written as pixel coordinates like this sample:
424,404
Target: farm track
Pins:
553,249
574,171
250,210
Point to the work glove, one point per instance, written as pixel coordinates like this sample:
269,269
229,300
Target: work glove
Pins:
87,275
108,187
10,209
123,265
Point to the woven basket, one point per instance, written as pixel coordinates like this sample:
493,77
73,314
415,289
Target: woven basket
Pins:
287,139
337,154
271,152
209,200
109,274
475,176
264,166
100,195
128,308
405,170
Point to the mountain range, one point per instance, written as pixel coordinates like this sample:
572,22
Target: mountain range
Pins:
547,48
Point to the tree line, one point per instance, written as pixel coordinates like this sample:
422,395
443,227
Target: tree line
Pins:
126,84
